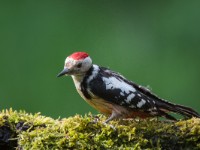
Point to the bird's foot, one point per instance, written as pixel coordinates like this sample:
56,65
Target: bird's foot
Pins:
109,125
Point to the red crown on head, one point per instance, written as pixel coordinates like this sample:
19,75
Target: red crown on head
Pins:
79,55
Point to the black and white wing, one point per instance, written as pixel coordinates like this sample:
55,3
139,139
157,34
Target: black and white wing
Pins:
114,88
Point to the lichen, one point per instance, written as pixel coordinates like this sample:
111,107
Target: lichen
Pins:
23,131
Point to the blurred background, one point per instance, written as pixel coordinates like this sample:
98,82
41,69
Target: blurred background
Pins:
153,43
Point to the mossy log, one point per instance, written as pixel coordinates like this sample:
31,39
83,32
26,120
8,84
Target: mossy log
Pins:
22,131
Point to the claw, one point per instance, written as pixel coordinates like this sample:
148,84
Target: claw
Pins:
111,126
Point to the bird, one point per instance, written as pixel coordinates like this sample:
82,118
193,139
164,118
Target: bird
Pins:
112,94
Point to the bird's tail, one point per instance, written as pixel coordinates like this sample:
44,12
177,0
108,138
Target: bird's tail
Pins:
187,112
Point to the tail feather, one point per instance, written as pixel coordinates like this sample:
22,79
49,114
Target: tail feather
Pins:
186,111
179,109
166,115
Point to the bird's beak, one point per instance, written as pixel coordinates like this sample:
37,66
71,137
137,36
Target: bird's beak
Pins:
65,71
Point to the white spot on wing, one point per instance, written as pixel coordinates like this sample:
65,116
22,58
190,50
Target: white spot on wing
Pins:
129,98
153,113
122,103
114,83
132,106
141,103
121,93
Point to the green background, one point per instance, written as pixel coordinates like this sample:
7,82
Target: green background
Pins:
155,43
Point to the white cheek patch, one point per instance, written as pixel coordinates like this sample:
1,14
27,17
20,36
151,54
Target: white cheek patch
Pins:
71,63
86,64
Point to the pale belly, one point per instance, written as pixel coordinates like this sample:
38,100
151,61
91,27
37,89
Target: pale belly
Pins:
99,104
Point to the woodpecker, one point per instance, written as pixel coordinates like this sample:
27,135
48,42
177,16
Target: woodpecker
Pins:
112,94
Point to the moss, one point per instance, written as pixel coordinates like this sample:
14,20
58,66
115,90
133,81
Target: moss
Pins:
20,130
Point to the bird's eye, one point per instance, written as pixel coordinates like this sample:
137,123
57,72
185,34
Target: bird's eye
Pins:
79,65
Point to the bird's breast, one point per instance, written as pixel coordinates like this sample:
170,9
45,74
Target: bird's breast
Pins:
97,103
100,105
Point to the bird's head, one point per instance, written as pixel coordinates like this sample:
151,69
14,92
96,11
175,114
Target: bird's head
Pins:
77,63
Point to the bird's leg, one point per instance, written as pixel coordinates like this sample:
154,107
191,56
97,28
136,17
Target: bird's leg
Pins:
114,115
109,119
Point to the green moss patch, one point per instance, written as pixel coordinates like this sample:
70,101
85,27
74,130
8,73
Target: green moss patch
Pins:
23,131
